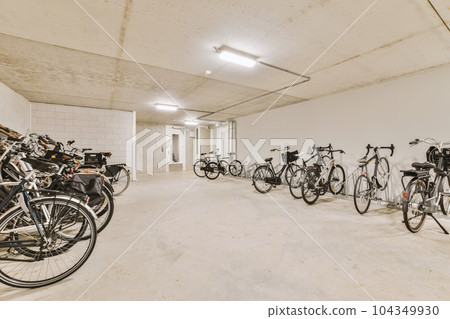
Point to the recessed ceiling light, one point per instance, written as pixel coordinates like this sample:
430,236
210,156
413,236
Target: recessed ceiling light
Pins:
166,107
237,57
190,122
207,72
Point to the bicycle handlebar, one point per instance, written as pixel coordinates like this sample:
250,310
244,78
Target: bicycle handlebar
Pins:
376,148
340,151
430,141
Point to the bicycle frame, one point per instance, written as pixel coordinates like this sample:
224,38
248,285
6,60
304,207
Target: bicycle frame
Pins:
374,177
325,172
280,172
24,202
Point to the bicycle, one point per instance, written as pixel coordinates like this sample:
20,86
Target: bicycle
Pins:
199,166
265,177
95,185
423,195
235,166
367,188
322,176
43,239
117,174
297,178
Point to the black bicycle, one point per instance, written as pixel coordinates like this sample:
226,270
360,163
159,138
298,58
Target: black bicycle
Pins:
425,195
265,177
199,166
214,168
368,188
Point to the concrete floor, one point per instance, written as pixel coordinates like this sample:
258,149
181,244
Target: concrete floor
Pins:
224,241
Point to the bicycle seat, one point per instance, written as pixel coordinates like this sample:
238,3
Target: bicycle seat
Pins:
232,153
424,165
203,154
363,160
107,154
41,165
269,159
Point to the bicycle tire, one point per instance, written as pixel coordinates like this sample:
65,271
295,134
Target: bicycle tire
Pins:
384,170
259,179
24,271
290,170
295,184
336,182
212,170
413,206
362,194
120,184
104,210
235,168
308,187
444,203
223,168
199,168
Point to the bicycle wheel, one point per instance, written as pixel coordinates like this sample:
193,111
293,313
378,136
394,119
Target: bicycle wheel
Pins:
383,172
199,168
414,205
223,168
235,168
444,203
336,179
295,184
260,179
290,170
212,170
121,181
310,193
362,194
104,210
37,263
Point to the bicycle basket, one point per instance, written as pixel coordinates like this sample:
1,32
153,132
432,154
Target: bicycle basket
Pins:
94,159
292,156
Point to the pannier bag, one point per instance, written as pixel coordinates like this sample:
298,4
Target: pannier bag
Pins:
89,184
112,170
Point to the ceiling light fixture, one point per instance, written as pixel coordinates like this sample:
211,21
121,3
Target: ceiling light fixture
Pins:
237,57
190,123
166,107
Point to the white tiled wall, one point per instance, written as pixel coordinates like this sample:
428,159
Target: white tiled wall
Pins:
14,110
100,129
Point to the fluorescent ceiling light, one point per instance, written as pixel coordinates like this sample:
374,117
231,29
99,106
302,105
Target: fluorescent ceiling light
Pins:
166,107
190,122
237,57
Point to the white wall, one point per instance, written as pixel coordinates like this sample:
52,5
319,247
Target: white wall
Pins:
395,112
102,130
14,109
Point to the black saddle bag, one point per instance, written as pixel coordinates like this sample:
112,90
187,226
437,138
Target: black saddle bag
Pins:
88,184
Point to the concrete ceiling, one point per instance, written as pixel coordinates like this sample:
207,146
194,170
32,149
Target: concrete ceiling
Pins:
53,52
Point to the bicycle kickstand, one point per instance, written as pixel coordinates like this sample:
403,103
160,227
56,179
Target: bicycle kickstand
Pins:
440,225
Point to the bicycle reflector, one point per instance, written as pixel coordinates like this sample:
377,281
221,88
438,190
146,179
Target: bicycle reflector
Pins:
405,195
